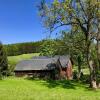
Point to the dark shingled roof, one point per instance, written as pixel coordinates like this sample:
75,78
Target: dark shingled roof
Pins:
64,60
35,64
42,63
40,57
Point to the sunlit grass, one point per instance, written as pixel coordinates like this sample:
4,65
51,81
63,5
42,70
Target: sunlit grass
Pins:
24,89
85,70
13,60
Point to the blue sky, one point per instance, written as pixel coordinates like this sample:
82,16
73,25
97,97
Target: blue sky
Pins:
19,21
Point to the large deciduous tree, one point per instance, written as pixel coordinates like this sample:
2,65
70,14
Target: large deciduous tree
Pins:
79,15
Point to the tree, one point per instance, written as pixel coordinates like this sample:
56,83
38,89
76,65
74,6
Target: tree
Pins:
3,61
74,44
48,48
98,35
80,15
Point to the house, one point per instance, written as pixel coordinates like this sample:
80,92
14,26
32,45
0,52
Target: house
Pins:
57,67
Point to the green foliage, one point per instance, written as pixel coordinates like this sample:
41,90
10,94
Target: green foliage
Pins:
81,16
73,44
23,48
3,61
48,48
94,55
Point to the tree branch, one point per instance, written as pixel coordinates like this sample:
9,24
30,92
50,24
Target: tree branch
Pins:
63,25
83,11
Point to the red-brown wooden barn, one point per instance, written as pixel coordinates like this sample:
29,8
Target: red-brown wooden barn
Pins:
58,67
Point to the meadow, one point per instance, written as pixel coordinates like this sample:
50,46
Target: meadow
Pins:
26,89
13,60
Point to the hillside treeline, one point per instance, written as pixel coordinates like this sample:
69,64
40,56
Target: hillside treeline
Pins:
23,48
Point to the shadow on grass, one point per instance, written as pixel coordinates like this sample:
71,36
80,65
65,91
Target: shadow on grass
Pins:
68,84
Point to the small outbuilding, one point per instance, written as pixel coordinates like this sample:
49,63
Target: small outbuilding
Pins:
64,65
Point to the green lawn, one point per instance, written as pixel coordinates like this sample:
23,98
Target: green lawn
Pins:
13,60
24,89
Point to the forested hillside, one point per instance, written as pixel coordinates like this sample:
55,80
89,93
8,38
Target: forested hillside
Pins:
23,48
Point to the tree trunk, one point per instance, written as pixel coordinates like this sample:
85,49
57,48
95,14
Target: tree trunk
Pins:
98,46
79,68
93,83
98,53
98,37
79,72
92,67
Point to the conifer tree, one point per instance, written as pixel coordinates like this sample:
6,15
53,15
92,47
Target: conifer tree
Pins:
3,61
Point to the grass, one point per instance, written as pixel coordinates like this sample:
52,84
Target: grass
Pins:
13,60
84,69
24,89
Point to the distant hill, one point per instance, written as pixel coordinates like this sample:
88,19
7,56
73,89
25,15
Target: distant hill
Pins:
23,48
